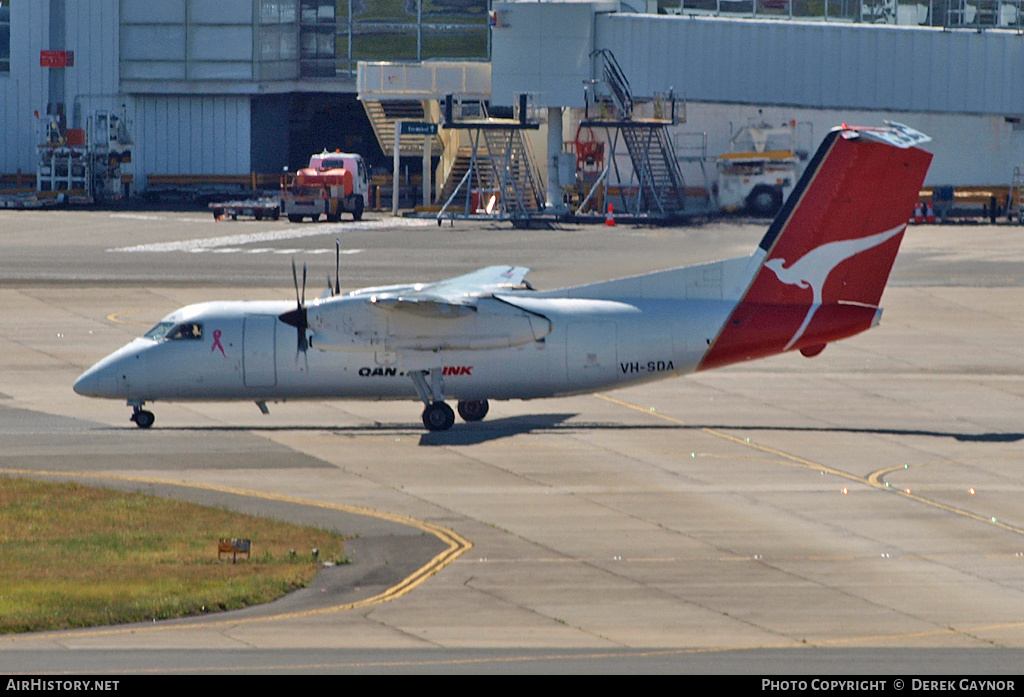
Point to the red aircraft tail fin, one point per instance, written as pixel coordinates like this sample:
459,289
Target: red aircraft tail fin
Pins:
828,254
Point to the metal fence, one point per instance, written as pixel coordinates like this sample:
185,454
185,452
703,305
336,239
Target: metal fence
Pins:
951,14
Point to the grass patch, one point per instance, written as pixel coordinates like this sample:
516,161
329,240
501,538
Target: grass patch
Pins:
76,556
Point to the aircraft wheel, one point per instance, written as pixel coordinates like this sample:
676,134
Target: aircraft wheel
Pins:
143,418
438,417
764,201
473,410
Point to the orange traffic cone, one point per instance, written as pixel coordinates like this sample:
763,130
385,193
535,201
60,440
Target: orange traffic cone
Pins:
929,213
918,213
609,218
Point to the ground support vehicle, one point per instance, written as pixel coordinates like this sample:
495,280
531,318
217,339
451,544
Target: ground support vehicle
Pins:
332,184
760,169
84,164
262,208
29,200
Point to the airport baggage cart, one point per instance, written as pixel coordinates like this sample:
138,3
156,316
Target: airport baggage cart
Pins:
260,209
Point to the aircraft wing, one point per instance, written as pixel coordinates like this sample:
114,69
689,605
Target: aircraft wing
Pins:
454,296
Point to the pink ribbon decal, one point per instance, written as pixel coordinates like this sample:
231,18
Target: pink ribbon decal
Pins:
217,344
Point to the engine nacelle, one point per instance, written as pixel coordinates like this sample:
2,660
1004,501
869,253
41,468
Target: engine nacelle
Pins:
355,324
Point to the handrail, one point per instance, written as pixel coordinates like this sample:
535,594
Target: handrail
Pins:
451,198
597,183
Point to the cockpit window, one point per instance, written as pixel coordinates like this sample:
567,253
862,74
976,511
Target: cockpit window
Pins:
171,331
158,332
186,330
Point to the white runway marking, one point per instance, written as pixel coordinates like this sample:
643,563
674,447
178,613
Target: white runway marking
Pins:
136,216
210,244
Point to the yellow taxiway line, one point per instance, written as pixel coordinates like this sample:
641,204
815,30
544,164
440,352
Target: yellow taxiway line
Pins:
875,479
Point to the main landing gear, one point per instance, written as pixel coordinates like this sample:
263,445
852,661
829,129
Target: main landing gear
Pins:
438,416
141,417
473,410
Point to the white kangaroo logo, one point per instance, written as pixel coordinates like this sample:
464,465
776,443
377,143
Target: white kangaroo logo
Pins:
813,269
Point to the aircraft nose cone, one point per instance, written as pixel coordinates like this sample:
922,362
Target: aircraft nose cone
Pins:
96,382
87,384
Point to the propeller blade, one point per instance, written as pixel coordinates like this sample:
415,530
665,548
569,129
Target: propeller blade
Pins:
297,317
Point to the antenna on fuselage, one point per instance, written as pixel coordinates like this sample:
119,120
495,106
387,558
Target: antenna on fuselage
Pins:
337,266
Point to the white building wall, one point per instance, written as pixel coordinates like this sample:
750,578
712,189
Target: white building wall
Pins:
185,40
181,134
23,91
969,149
818,64
543,49
92,35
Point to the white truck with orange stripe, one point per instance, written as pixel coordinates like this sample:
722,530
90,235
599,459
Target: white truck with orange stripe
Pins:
332,184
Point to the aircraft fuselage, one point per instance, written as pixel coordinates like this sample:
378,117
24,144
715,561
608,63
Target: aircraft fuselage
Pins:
245,353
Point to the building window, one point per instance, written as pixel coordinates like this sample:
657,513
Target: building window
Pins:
334,35
317,28
5,36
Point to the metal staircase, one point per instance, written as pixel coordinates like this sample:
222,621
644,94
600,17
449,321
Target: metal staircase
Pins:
495,161
456,174
619,92
384,115
660,181
501,166
655,185
512,170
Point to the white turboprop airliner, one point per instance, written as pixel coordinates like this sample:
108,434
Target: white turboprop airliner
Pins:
816,277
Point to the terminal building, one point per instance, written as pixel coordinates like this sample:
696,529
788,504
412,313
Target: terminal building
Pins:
242,86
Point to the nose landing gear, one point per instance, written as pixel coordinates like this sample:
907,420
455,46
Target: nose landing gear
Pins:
141,417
